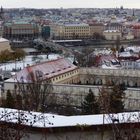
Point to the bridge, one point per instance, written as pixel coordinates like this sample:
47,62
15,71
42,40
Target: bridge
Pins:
69,43
52,46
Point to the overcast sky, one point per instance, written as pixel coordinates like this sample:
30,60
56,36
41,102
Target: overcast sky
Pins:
70,3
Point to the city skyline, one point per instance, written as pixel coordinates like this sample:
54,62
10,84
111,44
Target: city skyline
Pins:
69,4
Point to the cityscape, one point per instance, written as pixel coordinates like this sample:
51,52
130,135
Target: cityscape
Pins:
69,70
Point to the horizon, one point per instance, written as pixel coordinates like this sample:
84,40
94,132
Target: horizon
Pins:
54,4
69,8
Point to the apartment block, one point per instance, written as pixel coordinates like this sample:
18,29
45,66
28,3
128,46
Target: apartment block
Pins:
20,30
70,31
96,28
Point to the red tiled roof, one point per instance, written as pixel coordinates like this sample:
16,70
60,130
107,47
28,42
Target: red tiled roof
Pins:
46,69
136,26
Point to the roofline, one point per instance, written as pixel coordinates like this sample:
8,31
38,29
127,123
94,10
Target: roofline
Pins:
43,62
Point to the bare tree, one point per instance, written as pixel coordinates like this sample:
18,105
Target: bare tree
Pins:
31,96
35,93
115,118
84,57
15,124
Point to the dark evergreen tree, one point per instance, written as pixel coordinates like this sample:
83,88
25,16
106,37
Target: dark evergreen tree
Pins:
18,102
111,98
10,102
90,104
116,99
117,42
122,49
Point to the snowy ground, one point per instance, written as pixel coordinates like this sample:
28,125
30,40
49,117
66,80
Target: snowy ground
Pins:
38,119
29,60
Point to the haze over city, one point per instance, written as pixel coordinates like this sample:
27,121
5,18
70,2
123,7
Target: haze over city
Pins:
70,4
69,69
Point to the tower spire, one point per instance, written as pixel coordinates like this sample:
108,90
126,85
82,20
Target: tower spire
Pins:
133,12
1,13
1,9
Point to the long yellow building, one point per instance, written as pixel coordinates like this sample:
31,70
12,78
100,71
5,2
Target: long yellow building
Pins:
75,31
71,31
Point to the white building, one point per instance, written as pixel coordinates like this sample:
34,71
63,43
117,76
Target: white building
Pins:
130,64
4,44
127,64
129,36
112,34
1,29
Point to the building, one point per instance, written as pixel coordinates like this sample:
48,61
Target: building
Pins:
136,30
45,32
1,21
129,58
20,30
1,28
55,71
108,61
129,36
129,64
4,44
70,31
131,53
112,34
86,78
114,26
96,28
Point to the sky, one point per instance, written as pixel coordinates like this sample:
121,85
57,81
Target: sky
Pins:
70,3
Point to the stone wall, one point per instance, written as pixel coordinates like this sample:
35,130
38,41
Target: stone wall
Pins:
97,76
93,78
91,135
99,134
78,92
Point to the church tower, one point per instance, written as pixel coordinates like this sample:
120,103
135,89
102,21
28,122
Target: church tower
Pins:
133,13
1,13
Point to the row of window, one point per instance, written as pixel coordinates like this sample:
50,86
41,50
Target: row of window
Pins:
76,37
64,75
72,81
71,34
22,31
77,27
128,63
80,30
